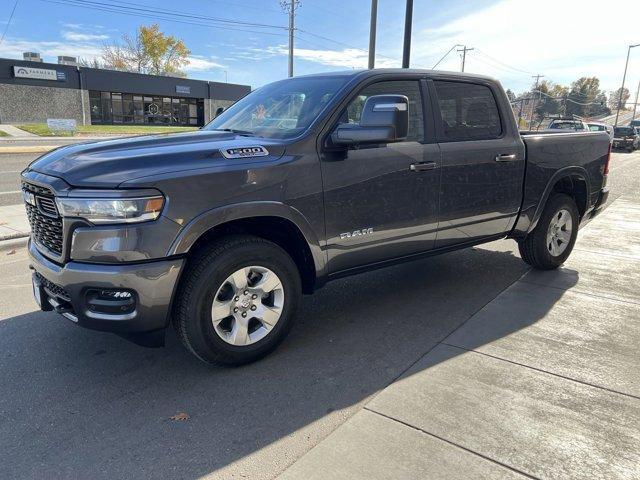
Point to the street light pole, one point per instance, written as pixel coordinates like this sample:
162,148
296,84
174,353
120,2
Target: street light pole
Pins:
624,78
635,105
372,34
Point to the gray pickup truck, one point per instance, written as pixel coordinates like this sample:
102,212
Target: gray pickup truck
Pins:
220,231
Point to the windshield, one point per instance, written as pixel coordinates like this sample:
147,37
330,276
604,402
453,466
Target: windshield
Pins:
282,109
567,125
623,131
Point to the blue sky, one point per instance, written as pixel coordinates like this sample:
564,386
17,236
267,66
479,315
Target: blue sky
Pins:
513,39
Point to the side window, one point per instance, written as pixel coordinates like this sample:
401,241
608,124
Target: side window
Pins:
469,111
410,88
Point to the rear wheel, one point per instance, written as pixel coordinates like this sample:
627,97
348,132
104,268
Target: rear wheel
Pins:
549,245
237,300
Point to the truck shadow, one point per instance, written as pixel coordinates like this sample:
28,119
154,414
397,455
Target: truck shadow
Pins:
84,404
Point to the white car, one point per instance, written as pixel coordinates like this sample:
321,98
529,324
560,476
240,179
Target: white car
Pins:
568,124
601,127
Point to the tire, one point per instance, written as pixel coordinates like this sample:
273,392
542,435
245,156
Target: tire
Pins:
535,248
208,277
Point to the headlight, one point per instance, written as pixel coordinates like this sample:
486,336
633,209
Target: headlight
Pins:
106,210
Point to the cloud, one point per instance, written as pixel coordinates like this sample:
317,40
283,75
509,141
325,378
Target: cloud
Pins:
13,48
552,37
199,63
83,37
345,58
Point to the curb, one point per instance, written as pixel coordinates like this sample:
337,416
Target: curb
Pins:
13,244
29,149
13,236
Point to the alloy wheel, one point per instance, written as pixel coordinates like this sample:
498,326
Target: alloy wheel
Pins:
247,305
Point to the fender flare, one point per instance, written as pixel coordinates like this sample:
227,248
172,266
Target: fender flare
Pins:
204,222
563,172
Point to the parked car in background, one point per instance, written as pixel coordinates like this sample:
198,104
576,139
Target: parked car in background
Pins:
568,124
303,181
601,127
625,138
634,123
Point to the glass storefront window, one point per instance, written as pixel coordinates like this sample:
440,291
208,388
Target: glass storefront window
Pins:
118,108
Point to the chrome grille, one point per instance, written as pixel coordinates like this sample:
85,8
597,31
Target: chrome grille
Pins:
46,224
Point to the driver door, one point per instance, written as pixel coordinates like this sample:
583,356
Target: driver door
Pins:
377,205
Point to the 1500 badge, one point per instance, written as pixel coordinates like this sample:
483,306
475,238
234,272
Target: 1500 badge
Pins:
244,152
356,233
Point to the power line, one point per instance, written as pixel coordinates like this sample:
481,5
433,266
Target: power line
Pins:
445,56
131,8
13,10
160,17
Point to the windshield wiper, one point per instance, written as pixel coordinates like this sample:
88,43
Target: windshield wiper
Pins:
246,133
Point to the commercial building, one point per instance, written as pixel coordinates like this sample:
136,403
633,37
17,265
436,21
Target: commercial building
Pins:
32,92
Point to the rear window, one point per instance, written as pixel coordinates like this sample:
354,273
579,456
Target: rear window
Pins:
469,111
567,126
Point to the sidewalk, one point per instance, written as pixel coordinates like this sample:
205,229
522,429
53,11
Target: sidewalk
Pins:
13,222
542,382
16,132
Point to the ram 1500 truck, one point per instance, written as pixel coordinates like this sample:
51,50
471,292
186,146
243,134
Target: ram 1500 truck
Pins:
220,231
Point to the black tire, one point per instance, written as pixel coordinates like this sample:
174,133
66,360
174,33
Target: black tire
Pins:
206,272
534,248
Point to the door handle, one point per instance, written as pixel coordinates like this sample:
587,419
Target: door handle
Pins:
505,157
422,166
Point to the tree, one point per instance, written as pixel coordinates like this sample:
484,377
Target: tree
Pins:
510,95
549,98
585,97
615,97
149,51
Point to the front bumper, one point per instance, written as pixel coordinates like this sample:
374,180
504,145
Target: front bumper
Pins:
65,290
622,144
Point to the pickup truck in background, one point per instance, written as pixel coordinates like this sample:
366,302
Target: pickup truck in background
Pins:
220,231
626,138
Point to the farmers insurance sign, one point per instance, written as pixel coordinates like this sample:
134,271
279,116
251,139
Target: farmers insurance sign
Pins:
39,74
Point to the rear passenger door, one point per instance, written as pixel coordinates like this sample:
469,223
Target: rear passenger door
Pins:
483,162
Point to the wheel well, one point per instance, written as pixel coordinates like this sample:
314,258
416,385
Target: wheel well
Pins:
280,231
576,187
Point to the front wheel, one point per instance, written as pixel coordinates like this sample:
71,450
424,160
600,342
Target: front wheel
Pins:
549,245
237,300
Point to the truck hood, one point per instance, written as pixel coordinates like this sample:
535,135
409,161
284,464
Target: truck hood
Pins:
108,163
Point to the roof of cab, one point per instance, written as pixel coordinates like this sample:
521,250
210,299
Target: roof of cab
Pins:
398,71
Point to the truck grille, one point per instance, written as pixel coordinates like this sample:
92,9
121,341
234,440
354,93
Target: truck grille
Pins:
45,222
54,289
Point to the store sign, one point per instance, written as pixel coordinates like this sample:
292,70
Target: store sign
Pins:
39,74
183,89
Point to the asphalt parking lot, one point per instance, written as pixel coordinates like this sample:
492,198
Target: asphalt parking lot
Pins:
460,366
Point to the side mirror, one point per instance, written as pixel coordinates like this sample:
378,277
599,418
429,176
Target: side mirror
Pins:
385,119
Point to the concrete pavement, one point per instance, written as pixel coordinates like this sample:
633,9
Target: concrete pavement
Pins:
84,404
542,382
16,132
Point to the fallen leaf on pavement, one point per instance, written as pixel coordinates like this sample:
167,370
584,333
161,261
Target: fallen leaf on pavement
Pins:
12,252
180,417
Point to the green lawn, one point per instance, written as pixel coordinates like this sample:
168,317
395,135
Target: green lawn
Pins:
3,134
42,130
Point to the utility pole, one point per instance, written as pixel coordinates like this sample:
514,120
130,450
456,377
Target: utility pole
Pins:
408,20
464,51
635,105
290,6
533,107
624,77
372,34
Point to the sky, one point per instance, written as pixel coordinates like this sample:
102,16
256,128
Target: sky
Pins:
512,39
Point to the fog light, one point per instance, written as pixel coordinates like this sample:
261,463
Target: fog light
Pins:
111,301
